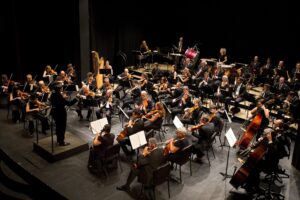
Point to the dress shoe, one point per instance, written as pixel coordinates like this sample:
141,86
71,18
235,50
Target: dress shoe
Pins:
64,144
123,188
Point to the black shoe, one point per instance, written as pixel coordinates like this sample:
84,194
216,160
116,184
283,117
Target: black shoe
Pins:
123,188
64,144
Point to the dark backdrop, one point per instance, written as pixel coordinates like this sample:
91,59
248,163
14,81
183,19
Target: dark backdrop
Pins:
36,33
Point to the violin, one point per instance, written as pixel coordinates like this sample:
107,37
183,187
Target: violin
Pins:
124,132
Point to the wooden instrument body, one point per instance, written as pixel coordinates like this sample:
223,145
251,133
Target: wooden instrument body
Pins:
250,132
240,177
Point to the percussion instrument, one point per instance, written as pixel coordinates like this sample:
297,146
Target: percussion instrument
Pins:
191,53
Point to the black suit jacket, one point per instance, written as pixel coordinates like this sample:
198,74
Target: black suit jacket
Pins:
138,126
148,164
58,105
106,141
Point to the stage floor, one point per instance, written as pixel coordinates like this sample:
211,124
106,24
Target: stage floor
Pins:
71,178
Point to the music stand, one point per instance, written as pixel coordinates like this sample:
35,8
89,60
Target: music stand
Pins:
124,115
231,140
105,71
225,127
90,103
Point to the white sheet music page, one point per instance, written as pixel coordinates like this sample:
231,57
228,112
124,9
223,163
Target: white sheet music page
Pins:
97,126
138,139
177,122
230,137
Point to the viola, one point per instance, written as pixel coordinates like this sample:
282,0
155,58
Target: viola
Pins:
250,132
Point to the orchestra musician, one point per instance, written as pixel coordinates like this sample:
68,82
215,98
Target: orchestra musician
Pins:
154,118
144,48
175,145
58,103
30,84
33,111
265,72
71,72
223,90
264,112
4,84
63,78
180,103
84,94
106,106
144,83
269,161
191,114
48,74
124,80
100,144
134,125
108,66
238,95
205,129
223,58
149,161
18,101
42,91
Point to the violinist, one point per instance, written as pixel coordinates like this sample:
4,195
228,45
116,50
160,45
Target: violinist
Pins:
71,73
144,82
181,102
134,125
154,118
205,130
84,94
48,74
145,104
106,106
4,84
215,118
264,112
149,161
33,111
100,144
163,86
42,91
175,145
191,114
30,84
18,104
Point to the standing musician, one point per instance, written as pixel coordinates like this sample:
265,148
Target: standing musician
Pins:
59,113
33,110
149,161
100,144
134,125
205,131
261,109
175,145
154,118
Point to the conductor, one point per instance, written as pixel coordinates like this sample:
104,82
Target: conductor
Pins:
60,114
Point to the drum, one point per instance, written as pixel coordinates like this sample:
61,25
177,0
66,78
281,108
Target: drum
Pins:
190,53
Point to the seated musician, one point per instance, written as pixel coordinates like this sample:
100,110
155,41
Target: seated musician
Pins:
280,90
144,103
42,91
156,73
30,84
106,86
162,87
173,76
175,145
48,74
71,73
144,81
223,90
238,95
205,86
181,102
132,95
192,113
100,143
84,94
150,160
267,164
267,94
264,112
18,100
134,125
144,48
205,131
63,78
124,80
215,118
153,119
4,84
287,106
34,110
106,106
108,66
186,76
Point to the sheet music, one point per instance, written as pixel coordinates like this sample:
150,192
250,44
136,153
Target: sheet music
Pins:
230,137
177,122
97,126
138,139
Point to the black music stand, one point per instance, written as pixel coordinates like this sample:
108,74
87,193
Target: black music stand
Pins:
105,71
231,140
90,103
225,127
123,115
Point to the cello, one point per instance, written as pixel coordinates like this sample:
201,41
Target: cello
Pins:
250,132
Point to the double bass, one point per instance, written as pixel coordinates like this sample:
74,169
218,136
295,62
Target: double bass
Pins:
250,132
240,177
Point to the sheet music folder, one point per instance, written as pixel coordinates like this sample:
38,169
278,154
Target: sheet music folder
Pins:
231,137
138,139
105,71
